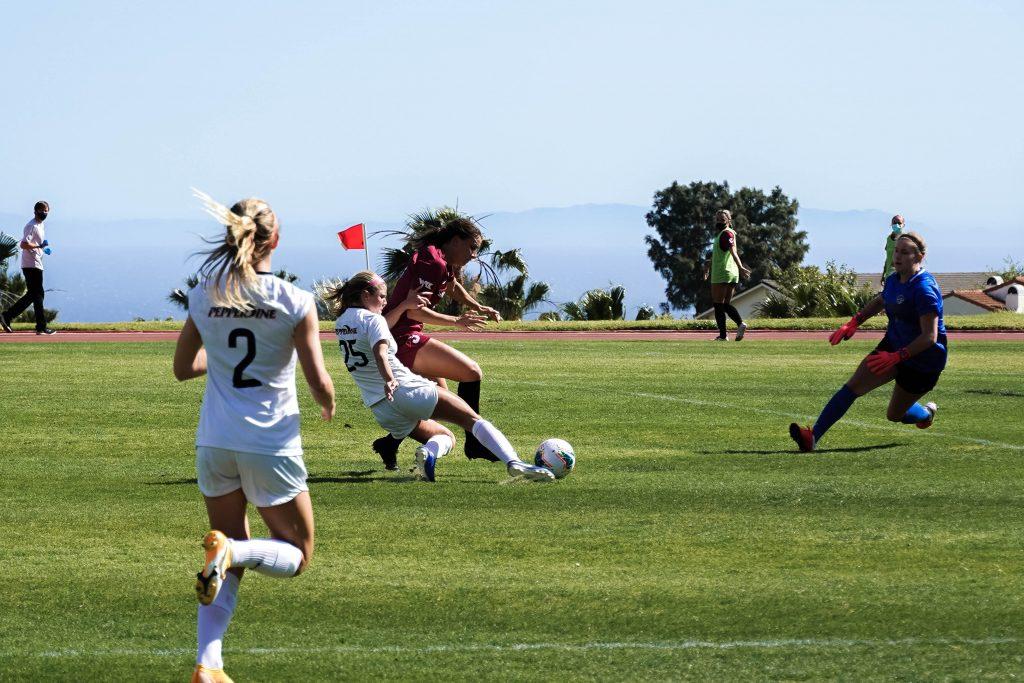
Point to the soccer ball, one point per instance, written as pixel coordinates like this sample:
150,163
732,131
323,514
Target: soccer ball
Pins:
556,455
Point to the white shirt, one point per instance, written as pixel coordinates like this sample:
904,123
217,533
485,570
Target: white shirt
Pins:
250,403
35,234
358,331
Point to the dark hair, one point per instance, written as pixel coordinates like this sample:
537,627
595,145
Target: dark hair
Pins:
41,205
342,295
438,235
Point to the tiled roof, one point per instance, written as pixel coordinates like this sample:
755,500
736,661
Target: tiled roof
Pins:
1017,280
947,281
976,297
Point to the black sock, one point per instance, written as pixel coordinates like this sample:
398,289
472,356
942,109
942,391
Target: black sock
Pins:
387,448
733,314
720,319
470,393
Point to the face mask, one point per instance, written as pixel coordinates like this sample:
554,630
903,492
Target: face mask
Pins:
896,228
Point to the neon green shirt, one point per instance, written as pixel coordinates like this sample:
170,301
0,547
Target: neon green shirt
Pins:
723,266
890,247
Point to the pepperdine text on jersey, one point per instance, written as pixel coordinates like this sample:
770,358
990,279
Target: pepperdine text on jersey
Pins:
257,313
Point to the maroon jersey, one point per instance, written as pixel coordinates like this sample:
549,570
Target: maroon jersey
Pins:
428,273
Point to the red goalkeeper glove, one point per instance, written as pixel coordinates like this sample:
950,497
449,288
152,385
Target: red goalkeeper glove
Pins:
881,362
846,331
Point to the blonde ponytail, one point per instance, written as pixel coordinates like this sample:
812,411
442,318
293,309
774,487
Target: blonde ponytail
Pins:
228,271
339,295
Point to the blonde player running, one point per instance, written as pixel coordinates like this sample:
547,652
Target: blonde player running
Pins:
244,330
403,402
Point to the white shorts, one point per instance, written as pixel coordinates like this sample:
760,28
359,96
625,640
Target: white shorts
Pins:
411,404
266,480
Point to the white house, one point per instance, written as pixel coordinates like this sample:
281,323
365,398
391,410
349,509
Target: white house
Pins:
997,296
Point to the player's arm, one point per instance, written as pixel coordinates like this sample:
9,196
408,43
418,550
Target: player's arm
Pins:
380,354
311,358
470,320
929,334
872,308
736,257
460,294
189,354
415,300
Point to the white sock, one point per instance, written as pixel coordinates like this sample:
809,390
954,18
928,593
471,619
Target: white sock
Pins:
213,623
494,441
440,445
266,556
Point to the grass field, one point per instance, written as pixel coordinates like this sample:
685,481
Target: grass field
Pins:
691,542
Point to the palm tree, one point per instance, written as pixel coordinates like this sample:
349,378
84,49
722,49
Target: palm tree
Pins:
514,296
598,304
513,299
11,287
179,296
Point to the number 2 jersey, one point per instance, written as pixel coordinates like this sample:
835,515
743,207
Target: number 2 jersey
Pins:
359,330
250,403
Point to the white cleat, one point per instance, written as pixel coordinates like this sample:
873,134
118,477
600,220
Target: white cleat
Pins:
529,472
425,463
932,409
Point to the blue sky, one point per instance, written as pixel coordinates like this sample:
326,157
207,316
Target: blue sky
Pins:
351,111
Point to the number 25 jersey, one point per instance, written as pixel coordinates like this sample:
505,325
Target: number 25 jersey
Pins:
358,332
250,403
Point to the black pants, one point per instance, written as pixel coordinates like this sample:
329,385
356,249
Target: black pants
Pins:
33,296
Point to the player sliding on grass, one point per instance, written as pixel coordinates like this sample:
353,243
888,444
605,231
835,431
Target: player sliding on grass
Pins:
244,330
441,253
913,351
403,402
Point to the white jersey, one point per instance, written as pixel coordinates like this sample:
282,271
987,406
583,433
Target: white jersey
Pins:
250,403
358,331
35,233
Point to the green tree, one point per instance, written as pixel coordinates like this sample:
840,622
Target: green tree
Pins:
598,304
683,218
514,298
179,296
810,292
1009,270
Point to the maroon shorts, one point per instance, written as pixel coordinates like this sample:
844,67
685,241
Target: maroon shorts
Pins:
409,346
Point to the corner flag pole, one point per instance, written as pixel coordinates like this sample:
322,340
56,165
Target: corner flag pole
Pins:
366,247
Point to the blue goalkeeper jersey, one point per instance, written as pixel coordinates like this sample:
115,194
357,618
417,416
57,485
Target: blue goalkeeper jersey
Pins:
905,303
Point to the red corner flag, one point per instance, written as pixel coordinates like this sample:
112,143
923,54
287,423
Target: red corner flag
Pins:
353,238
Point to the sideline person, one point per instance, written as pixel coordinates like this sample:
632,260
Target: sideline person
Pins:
913,351
33,245
402,402
244,331
895,229
440,255
725,269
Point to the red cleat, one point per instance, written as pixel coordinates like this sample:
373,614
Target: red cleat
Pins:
804,437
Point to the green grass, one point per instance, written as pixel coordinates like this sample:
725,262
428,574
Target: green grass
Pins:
990,321
691,542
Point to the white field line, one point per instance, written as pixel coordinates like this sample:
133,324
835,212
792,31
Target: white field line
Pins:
774,644
883,426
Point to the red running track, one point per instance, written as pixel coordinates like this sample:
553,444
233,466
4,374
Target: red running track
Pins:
624,335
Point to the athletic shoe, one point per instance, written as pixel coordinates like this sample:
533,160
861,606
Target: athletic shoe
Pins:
721,339
740,331
47,331
203,675
932,409
425,461
218,562
4,324
804,437
387,448
518,468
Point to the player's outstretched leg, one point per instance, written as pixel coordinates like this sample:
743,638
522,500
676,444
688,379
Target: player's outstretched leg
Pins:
451,408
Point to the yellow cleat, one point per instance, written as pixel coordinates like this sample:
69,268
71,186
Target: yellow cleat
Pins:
204,675
218,561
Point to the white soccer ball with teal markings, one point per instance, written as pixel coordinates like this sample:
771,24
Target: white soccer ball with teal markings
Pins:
556,455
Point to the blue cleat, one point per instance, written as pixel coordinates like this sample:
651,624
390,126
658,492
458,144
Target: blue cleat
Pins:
425,462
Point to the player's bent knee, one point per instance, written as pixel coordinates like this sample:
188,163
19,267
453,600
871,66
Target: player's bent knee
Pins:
473,372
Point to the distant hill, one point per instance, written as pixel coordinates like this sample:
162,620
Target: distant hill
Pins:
116,270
